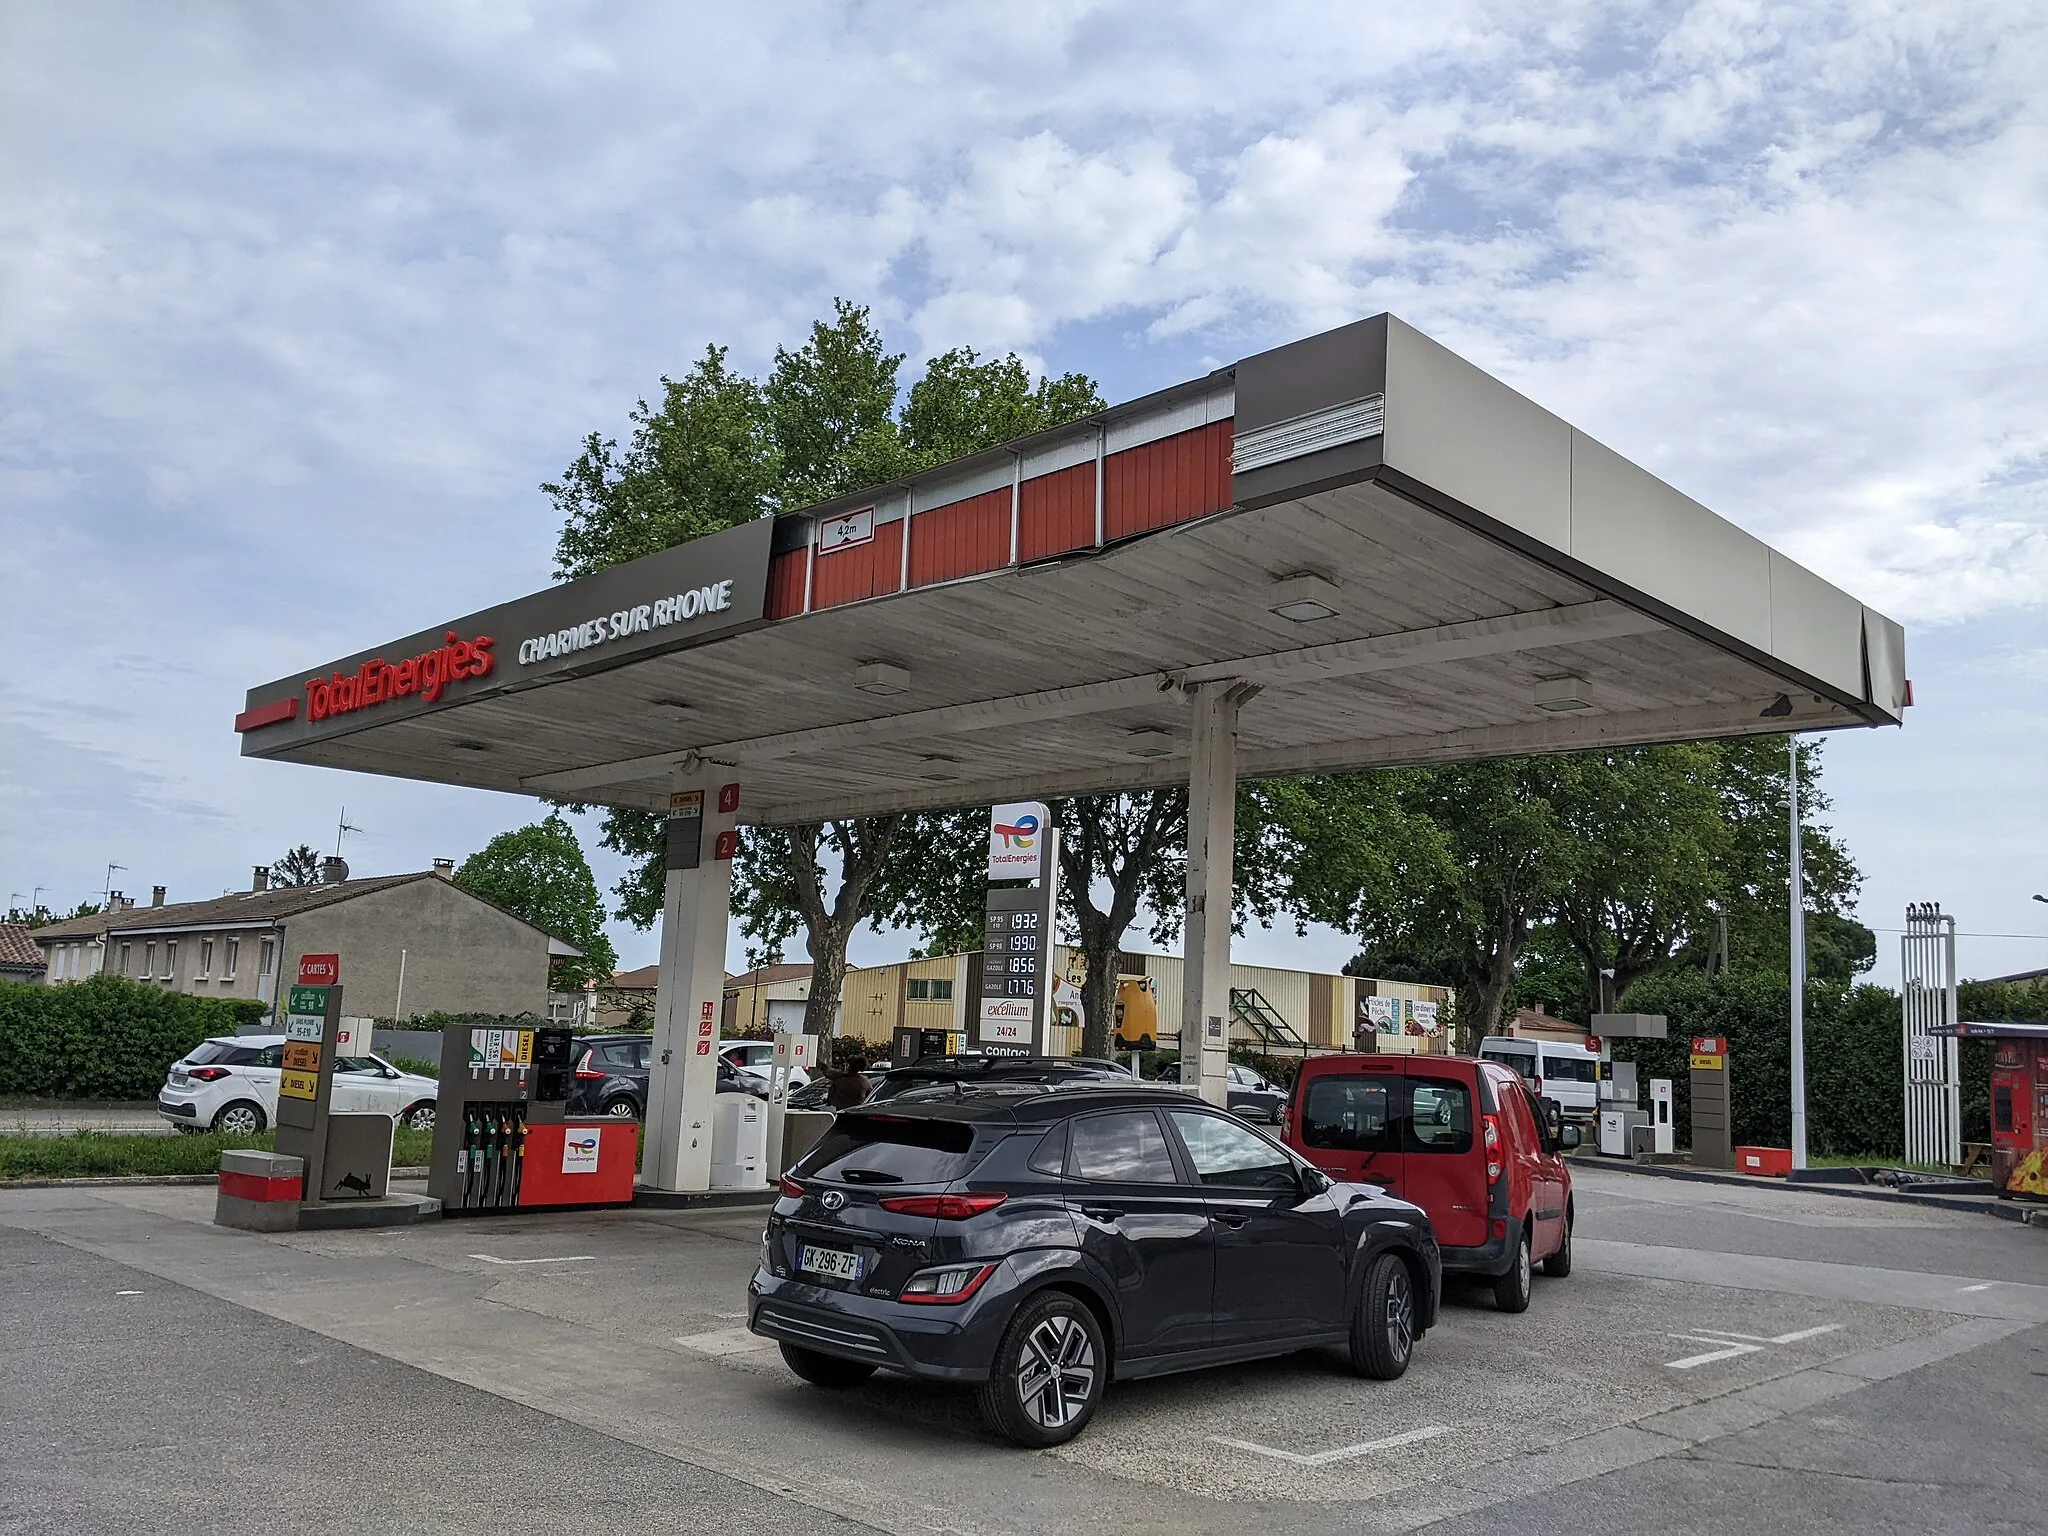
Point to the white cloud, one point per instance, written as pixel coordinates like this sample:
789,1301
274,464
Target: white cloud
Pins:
300,307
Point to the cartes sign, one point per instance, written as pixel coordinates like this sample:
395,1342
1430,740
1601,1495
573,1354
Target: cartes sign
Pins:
318,971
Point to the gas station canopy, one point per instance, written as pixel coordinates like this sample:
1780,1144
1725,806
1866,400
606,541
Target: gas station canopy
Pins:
1408,561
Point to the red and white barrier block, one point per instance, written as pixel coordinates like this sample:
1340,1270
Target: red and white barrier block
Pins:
259,1191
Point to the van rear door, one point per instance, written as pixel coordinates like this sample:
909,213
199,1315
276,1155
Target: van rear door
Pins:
1347,1119
1443,1166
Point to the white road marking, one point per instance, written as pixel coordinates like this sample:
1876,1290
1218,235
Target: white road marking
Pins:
1984,1287
1729,1352
127,1293
1805,1333
567,1258
1342,1453
724,1341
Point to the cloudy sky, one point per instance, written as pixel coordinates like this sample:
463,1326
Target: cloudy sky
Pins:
299,304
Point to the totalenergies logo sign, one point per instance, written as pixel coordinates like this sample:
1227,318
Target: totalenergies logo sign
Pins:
1016,841
379,681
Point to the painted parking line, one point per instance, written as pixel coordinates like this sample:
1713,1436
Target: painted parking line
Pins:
1966,1289
1735,1345
567,1258
1341,1453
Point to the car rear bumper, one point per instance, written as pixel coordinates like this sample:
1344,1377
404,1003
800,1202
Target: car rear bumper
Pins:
175,1110
939,1343
1491,1257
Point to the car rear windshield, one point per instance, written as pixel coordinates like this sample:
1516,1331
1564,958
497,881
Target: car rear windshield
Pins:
218,1053
891,1149
1351,1112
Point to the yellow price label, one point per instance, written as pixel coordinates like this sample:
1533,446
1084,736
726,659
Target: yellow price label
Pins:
299,1085
1704,1063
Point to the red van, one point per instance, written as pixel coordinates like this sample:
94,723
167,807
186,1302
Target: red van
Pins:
1459,1137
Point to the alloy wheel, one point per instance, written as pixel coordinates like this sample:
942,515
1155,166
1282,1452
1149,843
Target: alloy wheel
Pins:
1056,1376
620,1109
1400,1318
239,1120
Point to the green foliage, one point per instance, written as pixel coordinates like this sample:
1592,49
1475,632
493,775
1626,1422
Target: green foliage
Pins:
95,1155
438,1020
539,873
102,1038
722,449
2001,1000
301,866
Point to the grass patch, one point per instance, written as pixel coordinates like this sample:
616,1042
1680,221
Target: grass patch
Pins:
97,1155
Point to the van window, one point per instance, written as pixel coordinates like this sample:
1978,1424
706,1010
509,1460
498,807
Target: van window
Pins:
1570,1069
1440,1116
1521,1057
1350,1112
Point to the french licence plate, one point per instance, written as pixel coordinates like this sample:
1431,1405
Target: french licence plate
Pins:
180,1079
833,1263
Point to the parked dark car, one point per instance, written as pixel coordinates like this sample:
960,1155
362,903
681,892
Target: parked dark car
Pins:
1039,1240
612,1072
887,1083
1250,1094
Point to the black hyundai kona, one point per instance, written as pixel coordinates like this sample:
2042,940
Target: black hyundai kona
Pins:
1039,1240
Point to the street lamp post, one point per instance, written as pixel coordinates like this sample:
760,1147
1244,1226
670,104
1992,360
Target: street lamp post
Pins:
1798,892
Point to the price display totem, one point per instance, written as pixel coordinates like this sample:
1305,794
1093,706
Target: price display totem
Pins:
346,1156
1713,1120
1017,959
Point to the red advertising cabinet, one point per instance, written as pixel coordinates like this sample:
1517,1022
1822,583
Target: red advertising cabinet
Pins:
580,1163
2019,1104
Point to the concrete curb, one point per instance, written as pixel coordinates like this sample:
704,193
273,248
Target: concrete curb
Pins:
669,1200
138,1180
1980,1203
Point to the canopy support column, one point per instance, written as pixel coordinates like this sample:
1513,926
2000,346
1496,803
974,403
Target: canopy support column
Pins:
682,1084
1212,830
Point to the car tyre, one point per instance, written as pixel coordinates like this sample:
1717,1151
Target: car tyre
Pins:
241,1118
1383,1329
1559,1264
827,1371
1511,1290
621,1109
420,1117
1047,1379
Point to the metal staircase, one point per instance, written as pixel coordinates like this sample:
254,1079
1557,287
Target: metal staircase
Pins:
1251,1010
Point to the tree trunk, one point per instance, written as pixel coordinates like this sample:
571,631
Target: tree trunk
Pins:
1098,988
1495,985
828,977
863,848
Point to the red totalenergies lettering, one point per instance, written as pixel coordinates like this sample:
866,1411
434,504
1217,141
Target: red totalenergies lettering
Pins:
426,675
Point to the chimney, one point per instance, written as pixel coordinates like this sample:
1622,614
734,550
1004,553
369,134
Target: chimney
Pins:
156,895
333,871
260,881
445,868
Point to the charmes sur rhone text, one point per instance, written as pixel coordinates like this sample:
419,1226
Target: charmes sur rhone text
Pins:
660,613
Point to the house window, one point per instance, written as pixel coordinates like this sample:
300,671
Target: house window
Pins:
266,957
149,959
170,959
205,960
920,989
929,989
942,990
126,951
234,955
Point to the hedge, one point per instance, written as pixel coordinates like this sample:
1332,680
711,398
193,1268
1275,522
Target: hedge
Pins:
105,1037
1855,1068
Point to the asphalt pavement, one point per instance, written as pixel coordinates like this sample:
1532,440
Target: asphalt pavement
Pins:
1724,1359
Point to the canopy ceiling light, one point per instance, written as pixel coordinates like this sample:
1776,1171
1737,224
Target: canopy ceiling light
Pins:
1562,695
1304,597
1148,743
881,678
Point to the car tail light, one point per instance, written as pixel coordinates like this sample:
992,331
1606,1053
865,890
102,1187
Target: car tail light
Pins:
948,1286
207,1074
789,1188
944,1207
584,1073
1493,1153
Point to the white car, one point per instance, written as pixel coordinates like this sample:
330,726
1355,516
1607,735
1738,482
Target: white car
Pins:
230,1084
756,1058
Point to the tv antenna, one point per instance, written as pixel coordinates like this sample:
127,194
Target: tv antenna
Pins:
107,894
342,829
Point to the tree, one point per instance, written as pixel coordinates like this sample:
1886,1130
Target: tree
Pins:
539,873
1647,843
723,449
299,867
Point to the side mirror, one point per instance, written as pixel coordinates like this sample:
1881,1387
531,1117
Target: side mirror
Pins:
1568,1138
1314,1181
